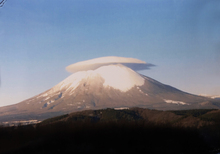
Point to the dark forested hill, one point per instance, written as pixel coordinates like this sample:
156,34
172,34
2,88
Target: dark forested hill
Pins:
134,130
195,118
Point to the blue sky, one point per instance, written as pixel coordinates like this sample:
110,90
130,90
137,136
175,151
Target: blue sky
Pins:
39,38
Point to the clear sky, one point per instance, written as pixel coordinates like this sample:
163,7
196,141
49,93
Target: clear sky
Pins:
39,38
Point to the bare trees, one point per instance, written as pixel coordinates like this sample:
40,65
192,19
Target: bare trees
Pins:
2,2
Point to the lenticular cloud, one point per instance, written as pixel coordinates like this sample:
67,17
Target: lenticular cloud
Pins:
134,64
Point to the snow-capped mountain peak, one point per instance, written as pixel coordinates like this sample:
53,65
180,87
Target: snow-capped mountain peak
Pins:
116,76
120,77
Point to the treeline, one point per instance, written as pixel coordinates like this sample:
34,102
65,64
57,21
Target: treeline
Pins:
193,112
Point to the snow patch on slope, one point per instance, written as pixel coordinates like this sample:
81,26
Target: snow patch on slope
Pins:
175,102
121,108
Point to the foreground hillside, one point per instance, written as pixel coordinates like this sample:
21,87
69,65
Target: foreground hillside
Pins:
135,130
182,118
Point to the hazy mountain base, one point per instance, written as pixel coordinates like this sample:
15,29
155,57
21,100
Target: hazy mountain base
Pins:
135,130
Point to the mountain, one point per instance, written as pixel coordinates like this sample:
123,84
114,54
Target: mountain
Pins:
108,86
217,97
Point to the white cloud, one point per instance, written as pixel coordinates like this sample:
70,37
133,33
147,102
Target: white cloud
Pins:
93,64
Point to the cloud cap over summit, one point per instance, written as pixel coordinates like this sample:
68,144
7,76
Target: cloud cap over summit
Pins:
134,64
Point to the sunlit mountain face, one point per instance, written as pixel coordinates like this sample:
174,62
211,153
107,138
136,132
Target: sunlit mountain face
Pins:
108,82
